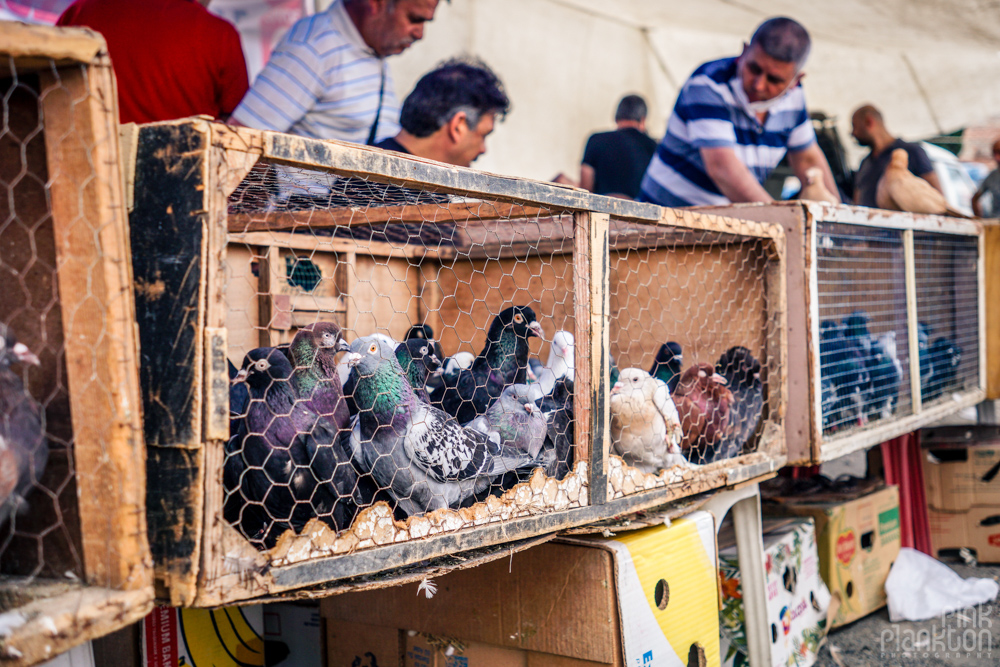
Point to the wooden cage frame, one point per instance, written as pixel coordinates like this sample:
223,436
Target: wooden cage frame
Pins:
806,443
182,173
86,232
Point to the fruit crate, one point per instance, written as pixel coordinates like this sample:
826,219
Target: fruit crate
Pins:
244,238
74,557
866,288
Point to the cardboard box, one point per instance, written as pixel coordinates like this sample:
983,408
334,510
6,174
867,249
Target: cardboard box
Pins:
977,529
644,597
293,635
797,598
858,541
960,478
229,637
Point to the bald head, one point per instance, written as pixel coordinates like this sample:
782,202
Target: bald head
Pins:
866,124
783,39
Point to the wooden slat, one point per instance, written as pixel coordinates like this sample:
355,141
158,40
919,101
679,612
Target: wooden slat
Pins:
330,244
330,218
912,317
990,261
95,283
592,313
37,44
273,307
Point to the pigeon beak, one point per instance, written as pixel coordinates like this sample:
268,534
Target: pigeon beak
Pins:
530,408
617,386
343,346
353,359
719,379
241,376
24,355
535,329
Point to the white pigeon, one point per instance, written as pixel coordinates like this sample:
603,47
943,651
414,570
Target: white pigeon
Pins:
645,427
562,356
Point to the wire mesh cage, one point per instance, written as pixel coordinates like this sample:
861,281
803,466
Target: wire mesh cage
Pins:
367,360
697,326
74,558
886,321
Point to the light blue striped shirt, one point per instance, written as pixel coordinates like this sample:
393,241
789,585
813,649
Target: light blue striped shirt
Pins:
322,81
708,115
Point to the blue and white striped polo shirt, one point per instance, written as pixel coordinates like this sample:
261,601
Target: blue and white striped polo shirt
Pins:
322,81
708,115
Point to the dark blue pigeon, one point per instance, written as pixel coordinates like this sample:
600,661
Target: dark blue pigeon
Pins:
419,361
842,364
24,451
502,362
944,356
742,373
419,454
668,364
883,368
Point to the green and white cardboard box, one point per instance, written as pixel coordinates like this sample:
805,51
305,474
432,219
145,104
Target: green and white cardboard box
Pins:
797,598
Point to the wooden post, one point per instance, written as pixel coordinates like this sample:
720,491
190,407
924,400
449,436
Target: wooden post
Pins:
989,310
275,309
909,259
592,312
98,316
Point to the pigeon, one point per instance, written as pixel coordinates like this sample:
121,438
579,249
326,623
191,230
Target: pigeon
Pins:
503,361
842,364
856,332
562,359
703,403
645,427
516,419
425,332
455,364
944,356
900,190
418,453
886,373
238,394
815,189
343,370
742,373
313,353
286,464
668,364
417,358
24,450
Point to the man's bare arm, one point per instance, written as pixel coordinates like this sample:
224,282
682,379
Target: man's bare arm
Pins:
732,177
932,178
587,177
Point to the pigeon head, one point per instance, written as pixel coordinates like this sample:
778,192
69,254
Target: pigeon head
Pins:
12,351
379,382
701,377
668,362
519,319
829,329
634,383
857,324
320,341
738,364
420,331
563,345
417,358
900,159
262,367
521,394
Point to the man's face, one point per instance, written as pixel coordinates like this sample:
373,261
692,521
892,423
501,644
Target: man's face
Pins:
393,28
860,130
764,78
470,142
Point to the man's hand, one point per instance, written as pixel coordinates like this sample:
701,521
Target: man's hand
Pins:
812,156
732,177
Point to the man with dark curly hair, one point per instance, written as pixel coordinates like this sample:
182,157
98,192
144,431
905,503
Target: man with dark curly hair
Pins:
450,112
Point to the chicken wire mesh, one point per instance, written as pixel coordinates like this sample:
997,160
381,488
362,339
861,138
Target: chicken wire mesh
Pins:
863,341
694,333
70,447
394,346
947,280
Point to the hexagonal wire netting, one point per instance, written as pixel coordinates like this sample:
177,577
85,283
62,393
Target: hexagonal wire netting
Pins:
418,307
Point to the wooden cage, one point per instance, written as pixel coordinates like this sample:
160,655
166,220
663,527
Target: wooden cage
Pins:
918,279
74,561
220,269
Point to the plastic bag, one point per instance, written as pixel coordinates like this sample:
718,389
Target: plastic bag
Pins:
920,587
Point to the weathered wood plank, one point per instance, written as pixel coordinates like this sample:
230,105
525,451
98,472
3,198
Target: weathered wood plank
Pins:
95,288
991,271
44,46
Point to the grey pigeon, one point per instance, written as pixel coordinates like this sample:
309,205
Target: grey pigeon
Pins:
420,454
24,451
516,420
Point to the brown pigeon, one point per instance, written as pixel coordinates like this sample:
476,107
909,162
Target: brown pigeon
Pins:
899,190
703,403
815,189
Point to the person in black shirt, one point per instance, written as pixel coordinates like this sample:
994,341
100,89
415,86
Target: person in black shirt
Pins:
450,112
614,162
868,129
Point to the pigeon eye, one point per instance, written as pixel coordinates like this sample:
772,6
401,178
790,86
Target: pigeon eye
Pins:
373,349
518,318
262,364
423,350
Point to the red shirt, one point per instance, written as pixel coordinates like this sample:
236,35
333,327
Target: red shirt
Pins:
172,58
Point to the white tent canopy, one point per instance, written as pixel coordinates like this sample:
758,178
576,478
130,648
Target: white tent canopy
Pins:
932,66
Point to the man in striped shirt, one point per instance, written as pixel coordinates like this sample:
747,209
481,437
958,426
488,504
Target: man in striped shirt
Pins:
733,122
328,78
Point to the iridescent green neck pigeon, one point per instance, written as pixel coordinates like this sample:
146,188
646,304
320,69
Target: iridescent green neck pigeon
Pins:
313,353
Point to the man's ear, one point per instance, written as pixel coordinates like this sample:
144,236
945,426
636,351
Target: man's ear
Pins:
458,126
798,79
